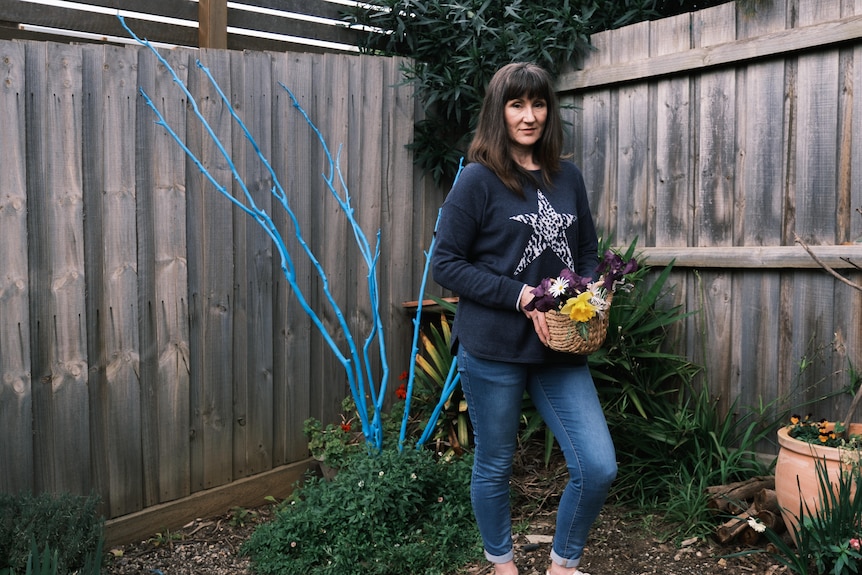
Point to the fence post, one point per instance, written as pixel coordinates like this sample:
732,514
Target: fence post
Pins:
212,24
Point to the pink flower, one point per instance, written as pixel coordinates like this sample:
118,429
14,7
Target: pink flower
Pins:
856,544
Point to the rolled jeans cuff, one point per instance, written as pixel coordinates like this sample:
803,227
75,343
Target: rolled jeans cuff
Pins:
567,563
505,558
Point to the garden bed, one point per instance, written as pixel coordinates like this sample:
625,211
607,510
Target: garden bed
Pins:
621,542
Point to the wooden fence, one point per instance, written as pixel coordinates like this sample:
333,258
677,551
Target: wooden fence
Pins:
713,138
150,347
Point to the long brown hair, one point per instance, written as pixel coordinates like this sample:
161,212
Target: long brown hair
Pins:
491,144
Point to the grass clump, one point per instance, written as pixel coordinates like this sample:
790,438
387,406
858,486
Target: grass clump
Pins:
385,513
65,528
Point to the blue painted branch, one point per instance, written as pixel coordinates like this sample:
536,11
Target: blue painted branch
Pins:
357,368
452,377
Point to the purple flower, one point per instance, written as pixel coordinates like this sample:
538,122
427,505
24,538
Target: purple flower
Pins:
552,293
543,300
577,284
612,269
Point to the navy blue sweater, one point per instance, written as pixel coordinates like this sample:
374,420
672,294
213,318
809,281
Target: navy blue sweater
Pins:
490,243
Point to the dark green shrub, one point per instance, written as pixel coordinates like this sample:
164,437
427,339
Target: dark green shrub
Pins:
66,526
394,512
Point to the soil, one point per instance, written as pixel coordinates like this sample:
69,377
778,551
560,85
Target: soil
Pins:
622,542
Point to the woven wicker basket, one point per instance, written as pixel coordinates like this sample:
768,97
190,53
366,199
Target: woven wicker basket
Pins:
566,337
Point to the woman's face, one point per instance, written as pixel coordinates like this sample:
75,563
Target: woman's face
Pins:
525,120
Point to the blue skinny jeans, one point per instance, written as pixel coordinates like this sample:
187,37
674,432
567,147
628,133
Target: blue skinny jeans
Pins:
565,396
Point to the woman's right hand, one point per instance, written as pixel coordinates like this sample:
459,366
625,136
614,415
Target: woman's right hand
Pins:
537,317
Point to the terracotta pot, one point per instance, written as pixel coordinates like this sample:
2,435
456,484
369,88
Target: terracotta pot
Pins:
796,481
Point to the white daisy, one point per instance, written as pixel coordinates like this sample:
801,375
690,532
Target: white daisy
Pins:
558,287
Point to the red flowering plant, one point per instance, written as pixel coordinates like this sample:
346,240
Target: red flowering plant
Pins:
583,298
334,443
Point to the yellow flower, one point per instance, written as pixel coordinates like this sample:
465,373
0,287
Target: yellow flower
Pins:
579,308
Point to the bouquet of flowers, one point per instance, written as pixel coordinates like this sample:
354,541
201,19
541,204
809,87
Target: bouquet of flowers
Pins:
576,308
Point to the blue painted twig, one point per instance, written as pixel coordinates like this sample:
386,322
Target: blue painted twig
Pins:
357,366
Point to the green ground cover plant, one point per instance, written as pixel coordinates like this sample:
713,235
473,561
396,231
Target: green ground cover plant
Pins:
388,512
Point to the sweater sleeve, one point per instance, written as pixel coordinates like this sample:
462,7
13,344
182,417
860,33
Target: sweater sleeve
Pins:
453,268
453,264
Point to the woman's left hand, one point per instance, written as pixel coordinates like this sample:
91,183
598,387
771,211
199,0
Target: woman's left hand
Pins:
537,317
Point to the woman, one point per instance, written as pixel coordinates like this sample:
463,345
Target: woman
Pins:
517,214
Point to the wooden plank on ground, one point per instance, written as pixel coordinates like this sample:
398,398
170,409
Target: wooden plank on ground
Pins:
249,492
15,381
163,280
111,257
210,244
296,164
61,429
253,307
